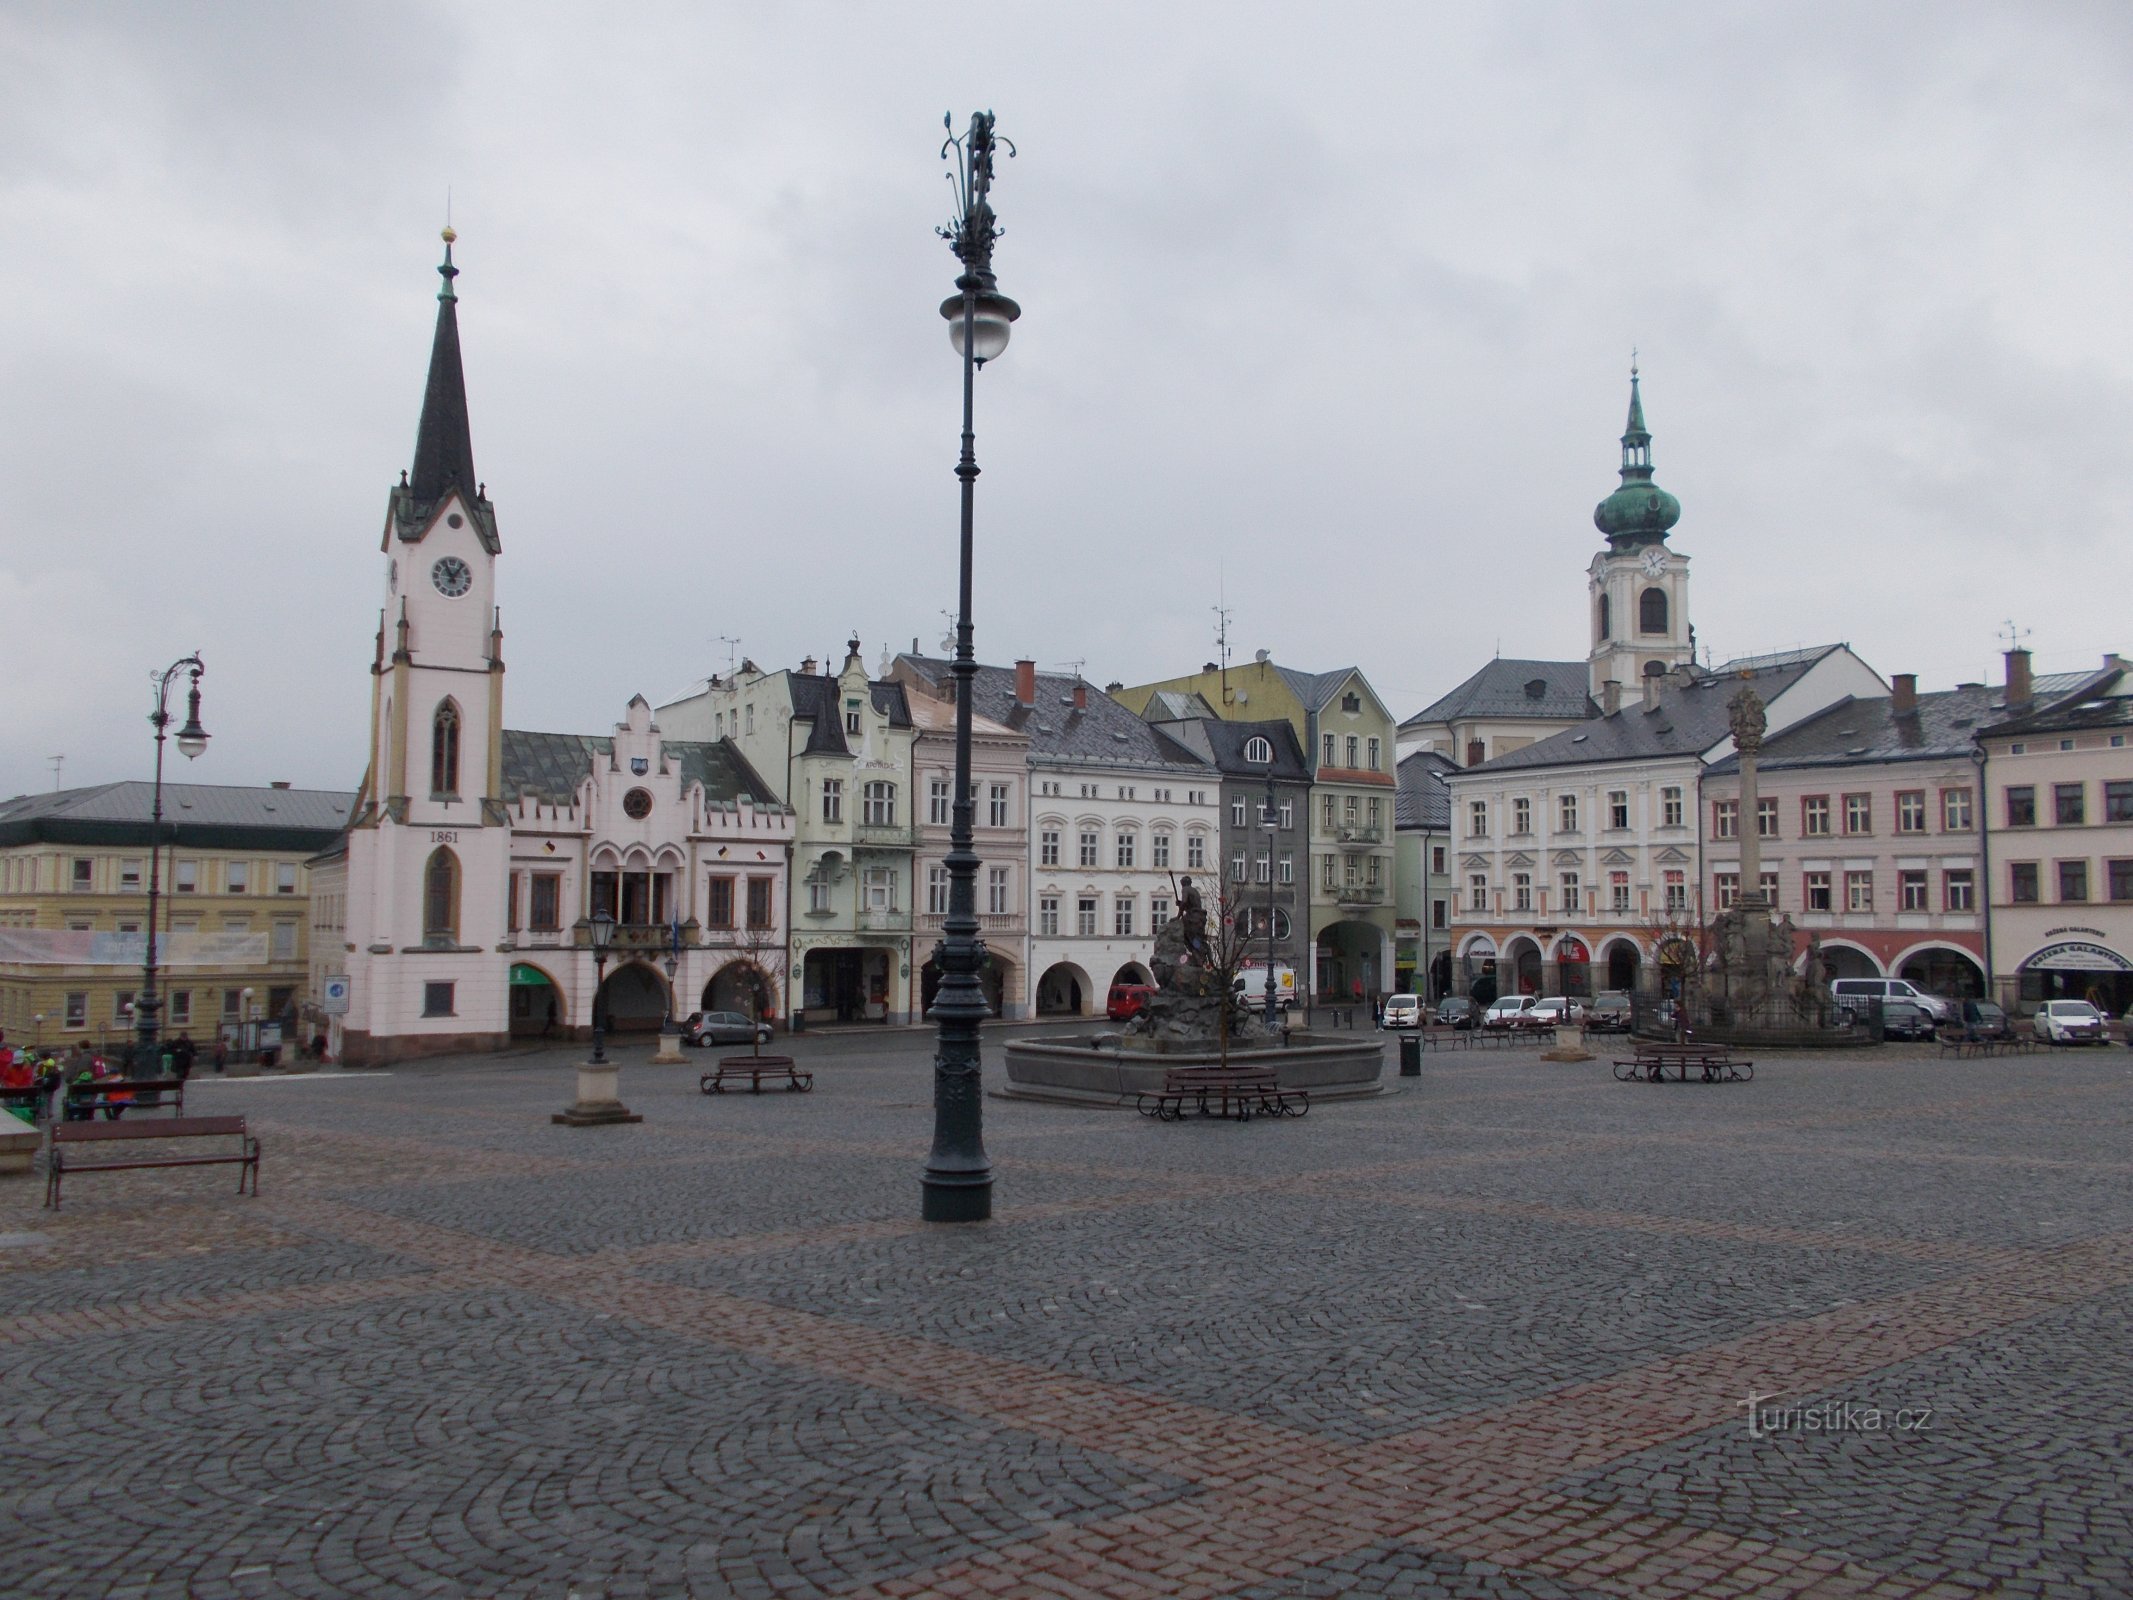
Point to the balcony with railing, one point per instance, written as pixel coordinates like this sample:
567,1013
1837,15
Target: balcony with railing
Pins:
988,922
1360,833
884,836
1360,894
884,919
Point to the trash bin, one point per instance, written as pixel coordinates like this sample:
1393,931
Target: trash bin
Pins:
1410,1055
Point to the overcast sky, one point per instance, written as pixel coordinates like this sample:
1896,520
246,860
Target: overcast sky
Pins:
1327,310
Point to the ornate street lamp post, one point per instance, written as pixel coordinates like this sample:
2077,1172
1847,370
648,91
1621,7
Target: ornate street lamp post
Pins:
603,937
192,739
957,1186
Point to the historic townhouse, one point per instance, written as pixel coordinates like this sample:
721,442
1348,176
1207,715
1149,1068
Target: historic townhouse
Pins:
2058,811
1119,813
234,907
1348,739
1422,875
999,821
1505,706
1582,852
455,911
837,748
1869,829
1264,860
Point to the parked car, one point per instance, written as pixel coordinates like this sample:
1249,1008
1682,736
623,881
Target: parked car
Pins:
1608,1013
1853,993
1402,1011
2070,1022
1905,1019
1982,1019
1556,1011
1128,1000
1458,1011
723,1027
1509,1012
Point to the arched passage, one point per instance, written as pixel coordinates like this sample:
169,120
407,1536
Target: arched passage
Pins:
1943,970
1623,960
1131,972
1522,957
538,1007
1573,965
1065,991
1476,973
1849,961
992,977
632,1000
739,986
1351,962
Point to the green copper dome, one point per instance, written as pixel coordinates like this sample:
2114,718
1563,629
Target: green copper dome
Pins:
1640,512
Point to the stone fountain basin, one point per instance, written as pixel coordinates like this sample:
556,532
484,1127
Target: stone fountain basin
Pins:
1096,1070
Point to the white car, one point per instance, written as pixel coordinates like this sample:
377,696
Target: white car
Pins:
1512,1011
1401,1011
1556,1011
2070,1022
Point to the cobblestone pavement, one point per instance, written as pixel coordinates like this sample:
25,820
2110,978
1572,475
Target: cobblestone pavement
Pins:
1492,1335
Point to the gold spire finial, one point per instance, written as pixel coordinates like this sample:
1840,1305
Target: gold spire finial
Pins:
448,235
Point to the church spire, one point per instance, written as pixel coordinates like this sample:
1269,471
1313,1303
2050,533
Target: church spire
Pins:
1639,512
444,446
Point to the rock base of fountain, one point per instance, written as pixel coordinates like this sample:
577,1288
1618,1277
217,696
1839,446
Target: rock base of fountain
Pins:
1112,1069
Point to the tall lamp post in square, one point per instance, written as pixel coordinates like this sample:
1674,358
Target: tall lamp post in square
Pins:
957,1186
192,739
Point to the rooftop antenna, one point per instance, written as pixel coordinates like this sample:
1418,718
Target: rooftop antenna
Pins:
733,644
1222,614
1076,666
947,632
55,763
2013,635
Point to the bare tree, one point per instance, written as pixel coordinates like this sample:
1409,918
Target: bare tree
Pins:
1229,946
760,952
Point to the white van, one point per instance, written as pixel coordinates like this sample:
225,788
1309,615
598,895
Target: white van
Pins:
1846,991
1251,985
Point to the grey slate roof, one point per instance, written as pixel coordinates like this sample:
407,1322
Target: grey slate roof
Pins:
1853,731
230,817
1177,705
1105,732
2087,702
548,767
1314,689
1687,720
1504,689
815,698
1423,800
1222,743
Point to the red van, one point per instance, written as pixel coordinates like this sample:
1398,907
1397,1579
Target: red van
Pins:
1128,1000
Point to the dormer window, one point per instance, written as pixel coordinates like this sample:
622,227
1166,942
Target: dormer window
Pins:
1259,751
1351,703
851,716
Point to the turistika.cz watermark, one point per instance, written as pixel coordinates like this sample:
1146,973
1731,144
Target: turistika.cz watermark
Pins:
1767,1420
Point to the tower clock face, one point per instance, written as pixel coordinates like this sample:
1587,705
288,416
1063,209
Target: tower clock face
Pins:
1654,562
452,577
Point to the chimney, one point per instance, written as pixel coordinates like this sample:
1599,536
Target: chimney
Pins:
1903,698
807,667
281,784
1025,683
1610,697
1081,695
2019,692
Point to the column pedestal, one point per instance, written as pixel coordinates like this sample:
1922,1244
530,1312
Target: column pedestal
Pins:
598,1103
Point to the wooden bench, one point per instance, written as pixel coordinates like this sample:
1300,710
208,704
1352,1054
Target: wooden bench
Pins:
1239,1092
33,1099
1957,1042
128,1136
779,1069
117,1095
1652,1057
1517,1034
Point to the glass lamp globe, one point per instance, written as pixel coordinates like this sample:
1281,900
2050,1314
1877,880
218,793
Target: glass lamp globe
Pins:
991,319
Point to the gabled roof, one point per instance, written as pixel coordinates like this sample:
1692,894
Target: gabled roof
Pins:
1223,744
1315,689
228,817
1688,718
816,696
1509,688
1176,705
1855,731
1423,800
1104,732
548,767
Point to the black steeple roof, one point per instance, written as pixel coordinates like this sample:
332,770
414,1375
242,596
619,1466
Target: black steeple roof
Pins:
444,446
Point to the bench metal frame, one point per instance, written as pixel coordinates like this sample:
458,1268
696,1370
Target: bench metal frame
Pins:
57,1164
755,1069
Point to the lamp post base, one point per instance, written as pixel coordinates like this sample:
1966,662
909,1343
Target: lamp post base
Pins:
945,1199
669,1052
597,1104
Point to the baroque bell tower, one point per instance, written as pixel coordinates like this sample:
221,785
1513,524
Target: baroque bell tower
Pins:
1639,585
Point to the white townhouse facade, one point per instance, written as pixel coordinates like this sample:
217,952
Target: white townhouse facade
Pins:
1577,857
836,748
1119,814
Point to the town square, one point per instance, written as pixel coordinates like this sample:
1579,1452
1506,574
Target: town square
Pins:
1335,803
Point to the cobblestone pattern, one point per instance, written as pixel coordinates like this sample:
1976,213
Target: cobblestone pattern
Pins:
1488,1337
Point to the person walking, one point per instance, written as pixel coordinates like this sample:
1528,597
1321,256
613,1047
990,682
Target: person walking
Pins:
222,1053
182,1052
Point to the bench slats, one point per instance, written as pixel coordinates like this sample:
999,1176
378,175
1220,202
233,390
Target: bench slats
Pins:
68,1134
162,1128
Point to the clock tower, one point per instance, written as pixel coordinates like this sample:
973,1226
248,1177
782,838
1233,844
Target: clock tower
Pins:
429,846
1639,586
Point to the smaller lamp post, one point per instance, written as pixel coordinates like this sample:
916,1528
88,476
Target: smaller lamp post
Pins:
598,1101
669,1050
192,740
1269,823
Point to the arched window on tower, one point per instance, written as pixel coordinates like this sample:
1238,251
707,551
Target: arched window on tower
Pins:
1607,615
440,898
1651,611
444,750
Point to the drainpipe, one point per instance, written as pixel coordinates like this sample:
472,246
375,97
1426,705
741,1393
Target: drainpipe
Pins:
1978,757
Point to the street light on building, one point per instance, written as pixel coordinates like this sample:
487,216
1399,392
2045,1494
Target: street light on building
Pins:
192,739
957,1186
